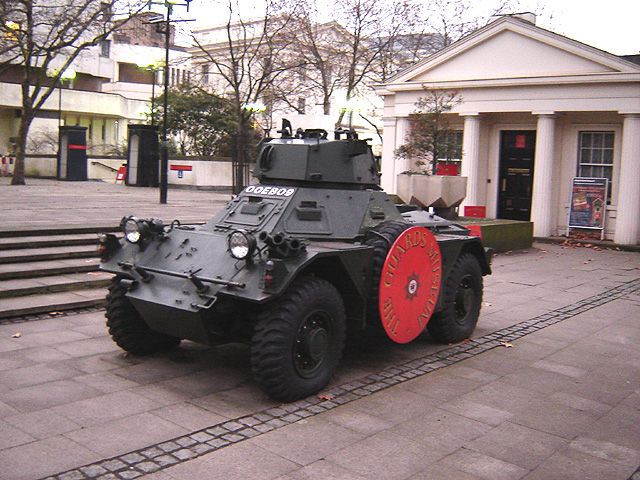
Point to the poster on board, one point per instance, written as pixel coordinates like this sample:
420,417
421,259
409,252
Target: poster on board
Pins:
588,203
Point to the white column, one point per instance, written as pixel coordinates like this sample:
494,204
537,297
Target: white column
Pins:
403,128
628,211
542,196
470,167
388,163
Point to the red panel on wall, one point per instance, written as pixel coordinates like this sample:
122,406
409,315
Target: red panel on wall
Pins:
450,169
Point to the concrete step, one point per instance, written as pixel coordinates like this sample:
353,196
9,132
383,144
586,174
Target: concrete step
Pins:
35,241
47,232
52,302
53,284
46,268
47,253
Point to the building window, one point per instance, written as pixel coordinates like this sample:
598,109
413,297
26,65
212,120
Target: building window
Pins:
449,161
204,70
105,48
595,156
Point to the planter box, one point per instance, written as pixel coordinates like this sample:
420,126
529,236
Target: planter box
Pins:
432,190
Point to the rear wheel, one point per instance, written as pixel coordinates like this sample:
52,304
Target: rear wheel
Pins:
299,340
462,292
128,329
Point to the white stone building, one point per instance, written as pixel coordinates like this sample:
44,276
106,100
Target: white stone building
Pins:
110,90
537,110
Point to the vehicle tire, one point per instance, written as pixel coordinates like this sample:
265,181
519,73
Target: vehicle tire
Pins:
128,329
462,292
298,341
381,238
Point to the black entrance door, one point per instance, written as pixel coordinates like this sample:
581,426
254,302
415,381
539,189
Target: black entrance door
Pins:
517,150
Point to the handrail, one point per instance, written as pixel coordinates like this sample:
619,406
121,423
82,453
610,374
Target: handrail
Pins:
105,166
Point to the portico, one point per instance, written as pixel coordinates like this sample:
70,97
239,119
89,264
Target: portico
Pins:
537,110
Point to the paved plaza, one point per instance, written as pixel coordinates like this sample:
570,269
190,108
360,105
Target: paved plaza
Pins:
547,388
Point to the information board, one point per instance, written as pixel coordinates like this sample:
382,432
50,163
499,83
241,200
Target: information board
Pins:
588,203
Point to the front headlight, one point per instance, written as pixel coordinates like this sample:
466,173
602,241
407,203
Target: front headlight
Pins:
132,230
135,231
241,244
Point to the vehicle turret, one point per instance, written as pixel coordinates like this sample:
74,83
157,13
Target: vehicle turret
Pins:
311,158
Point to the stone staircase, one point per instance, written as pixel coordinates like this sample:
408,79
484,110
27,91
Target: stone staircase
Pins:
46,271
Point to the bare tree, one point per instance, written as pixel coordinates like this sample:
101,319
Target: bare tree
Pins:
38,36
453,19
246,62
431,136
341,52
320,47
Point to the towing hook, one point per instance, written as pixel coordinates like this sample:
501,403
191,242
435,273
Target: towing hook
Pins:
200,286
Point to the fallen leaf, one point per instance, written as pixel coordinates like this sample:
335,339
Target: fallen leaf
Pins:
506,344
326,396
16,335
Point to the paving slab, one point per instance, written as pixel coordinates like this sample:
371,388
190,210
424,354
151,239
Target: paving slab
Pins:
46,203
519,445
554,395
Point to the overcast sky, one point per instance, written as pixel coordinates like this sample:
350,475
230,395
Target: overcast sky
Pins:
611,25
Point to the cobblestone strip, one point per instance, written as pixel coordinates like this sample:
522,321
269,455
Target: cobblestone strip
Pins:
157,457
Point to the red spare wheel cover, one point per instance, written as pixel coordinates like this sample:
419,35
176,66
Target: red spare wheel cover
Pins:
409,284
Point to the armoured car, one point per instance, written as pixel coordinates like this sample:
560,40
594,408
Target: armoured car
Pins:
311,253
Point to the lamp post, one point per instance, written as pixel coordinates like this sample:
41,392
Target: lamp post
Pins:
152,67
239,158
163,25
68,74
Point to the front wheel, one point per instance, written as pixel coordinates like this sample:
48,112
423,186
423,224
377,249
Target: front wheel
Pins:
128,329
299,340
462,291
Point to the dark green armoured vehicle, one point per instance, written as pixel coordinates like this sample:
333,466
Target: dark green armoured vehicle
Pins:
314,250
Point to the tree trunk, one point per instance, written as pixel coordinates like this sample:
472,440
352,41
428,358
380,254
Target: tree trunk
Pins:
23,130
340,118
326,104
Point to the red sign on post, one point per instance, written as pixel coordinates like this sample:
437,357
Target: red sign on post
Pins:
181,168
121,174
